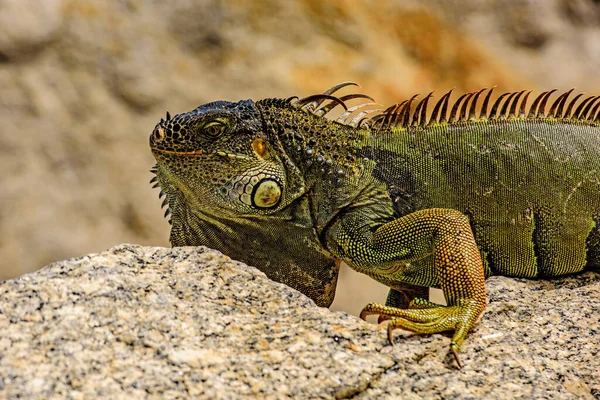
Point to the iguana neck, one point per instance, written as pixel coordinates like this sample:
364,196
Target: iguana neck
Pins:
319,148
331,158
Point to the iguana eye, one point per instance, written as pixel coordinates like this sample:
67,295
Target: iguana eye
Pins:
214,128
158,133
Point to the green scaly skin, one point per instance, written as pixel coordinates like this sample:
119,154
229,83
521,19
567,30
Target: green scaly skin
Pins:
411,204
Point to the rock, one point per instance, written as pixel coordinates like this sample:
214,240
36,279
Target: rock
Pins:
152,321
139,321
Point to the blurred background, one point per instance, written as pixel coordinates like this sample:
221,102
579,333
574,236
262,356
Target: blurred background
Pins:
83,82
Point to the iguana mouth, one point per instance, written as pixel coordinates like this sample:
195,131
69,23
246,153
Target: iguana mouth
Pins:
205,153
182,153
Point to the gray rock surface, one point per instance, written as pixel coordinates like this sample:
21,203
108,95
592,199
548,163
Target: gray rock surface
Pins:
137,322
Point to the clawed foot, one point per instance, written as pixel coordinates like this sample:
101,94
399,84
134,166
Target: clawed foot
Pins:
426,317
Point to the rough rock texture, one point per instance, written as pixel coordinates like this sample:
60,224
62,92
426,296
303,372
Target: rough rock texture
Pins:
83,83
166,323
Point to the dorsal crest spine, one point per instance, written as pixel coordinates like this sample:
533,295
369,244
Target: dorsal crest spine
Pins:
466,108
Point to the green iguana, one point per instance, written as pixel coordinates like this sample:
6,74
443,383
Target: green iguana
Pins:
410,200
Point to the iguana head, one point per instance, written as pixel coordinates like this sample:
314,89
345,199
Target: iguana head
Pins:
221,159
225,167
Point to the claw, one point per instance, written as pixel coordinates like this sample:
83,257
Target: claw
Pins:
454,350
390,334
425,317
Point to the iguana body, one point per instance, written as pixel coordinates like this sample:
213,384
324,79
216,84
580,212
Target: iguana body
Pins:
400,197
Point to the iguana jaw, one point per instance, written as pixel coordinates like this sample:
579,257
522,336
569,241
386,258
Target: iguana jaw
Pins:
181,153
180,199
249,188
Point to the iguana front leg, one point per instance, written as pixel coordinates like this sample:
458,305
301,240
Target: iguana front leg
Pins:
382,251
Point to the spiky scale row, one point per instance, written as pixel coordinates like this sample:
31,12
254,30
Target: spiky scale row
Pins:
359,117
312,103
154,180
421,110
328,107
464,108
474,103
317,99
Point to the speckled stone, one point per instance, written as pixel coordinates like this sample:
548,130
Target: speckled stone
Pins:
138,322
537,340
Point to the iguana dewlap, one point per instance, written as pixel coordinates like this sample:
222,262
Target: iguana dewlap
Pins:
411,200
